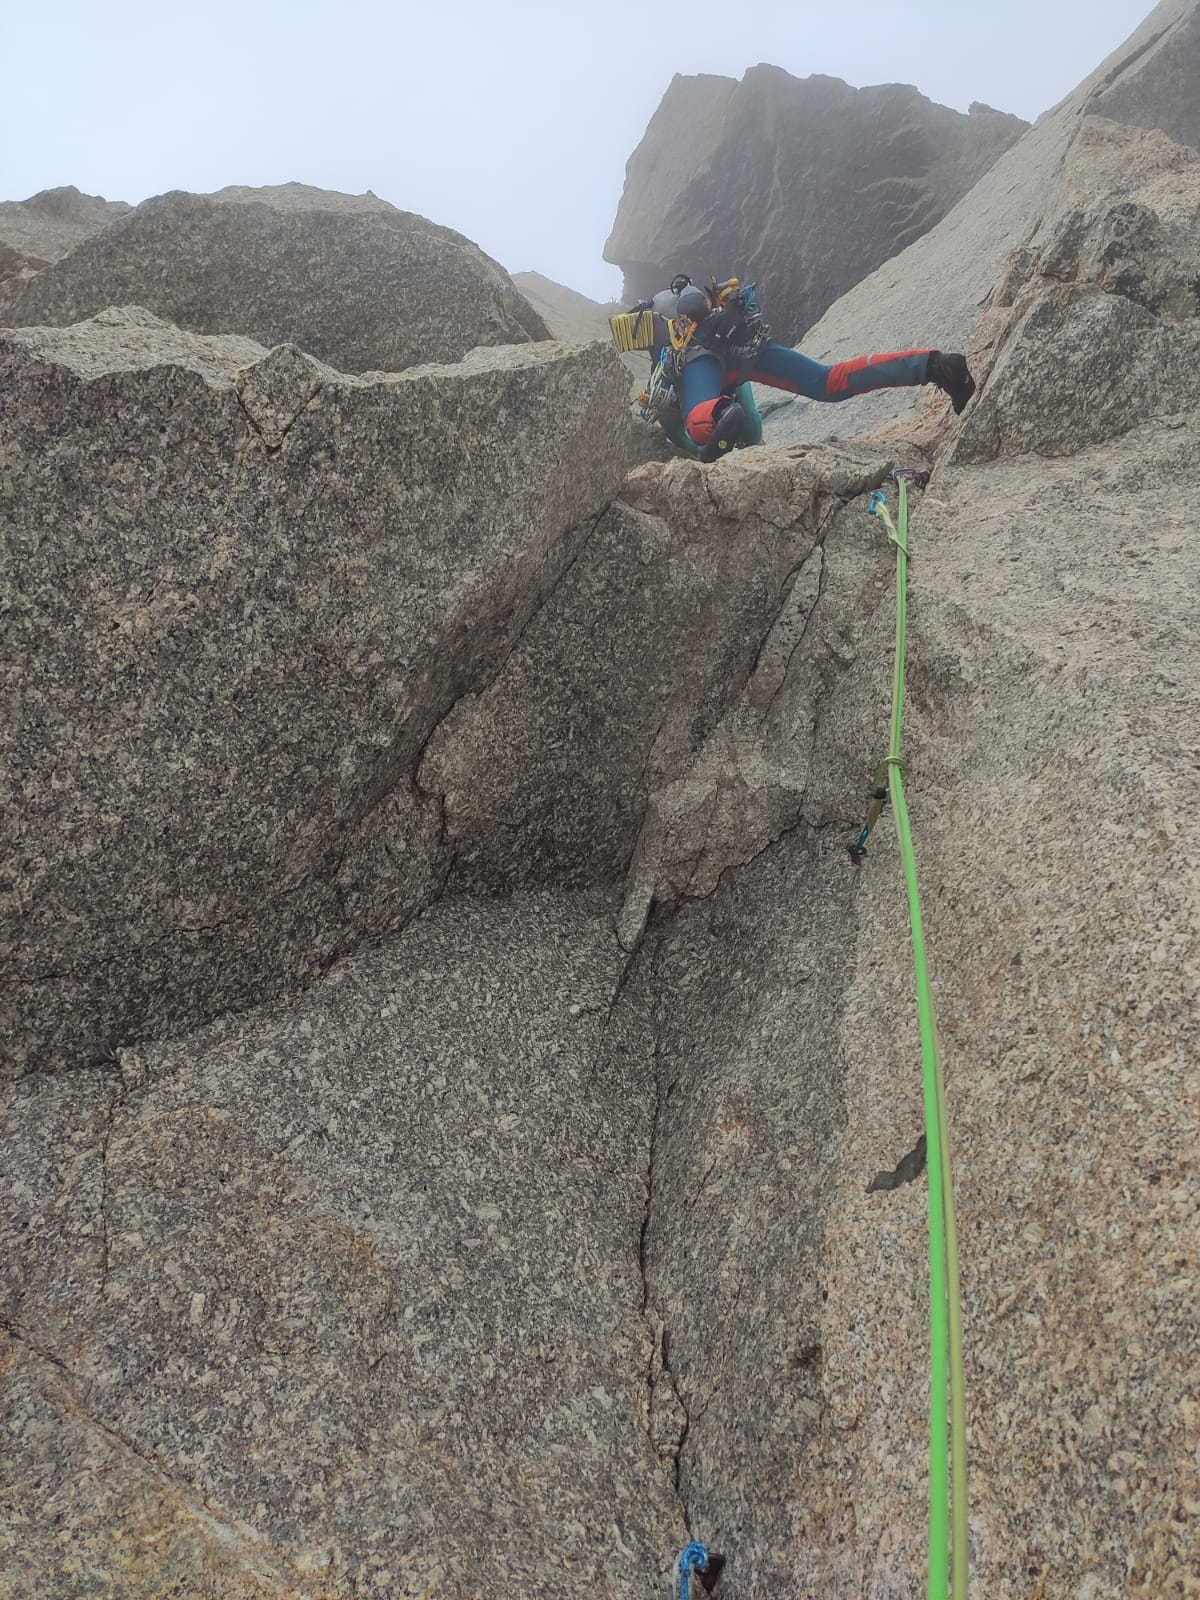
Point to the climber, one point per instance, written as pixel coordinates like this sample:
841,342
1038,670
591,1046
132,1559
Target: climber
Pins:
725,346
659,401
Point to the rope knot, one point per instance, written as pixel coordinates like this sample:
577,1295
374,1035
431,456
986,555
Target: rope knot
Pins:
693,1558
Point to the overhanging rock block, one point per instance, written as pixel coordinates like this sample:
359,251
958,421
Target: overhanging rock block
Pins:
240,590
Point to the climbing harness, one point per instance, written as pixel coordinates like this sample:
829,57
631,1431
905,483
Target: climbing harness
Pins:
947,1496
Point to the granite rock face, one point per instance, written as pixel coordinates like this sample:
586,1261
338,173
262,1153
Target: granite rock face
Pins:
346,1299
1052,655
349,278
638,732
393,1235
1153,85
235,611
547,1234
804,185
932,294
48,225
1051,735
1098,329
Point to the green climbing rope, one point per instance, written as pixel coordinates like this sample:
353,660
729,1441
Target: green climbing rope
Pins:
947,1493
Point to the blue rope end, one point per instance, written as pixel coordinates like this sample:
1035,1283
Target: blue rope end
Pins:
693,1558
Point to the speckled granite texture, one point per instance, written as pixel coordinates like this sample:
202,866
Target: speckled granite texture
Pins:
349,278
535,1239
39,230
1099,328
345,1299
639,729
234,612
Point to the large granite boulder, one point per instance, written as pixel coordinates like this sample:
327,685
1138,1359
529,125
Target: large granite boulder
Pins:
804,185
351,1295
234,612
1099,328
348,278
48,225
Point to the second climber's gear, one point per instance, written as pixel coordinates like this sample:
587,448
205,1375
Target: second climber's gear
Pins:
679,283
660,398
633,330
725,319
737,330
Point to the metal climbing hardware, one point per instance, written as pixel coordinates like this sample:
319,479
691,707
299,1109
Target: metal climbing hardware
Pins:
754,332
740,328
879,798
660,398
948,1552
680,330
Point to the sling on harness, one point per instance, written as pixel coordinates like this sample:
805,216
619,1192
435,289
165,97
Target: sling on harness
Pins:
737,329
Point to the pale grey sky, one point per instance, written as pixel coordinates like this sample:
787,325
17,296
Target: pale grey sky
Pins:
511,122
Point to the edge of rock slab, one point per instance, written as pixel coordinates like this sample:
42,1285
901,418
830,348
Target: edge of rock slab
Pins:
350,555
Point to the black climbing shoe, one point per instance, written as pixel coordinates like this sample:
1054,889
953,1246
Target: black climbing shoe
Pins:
727,433
950,373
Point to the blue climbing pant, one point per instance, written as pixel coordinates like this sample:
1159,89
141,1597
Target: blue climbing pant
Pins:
705,376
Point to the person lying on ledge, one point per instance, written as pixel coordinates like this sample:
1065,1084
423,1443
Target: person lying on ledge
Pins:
712,343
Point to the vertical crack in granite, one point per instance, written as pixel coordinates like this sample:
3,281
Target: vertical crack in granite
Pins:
704,832
610,1011
817,552
110,1115
666,1416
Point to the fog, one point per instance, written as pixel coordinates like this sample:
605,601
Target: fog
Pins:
511,123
